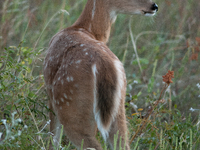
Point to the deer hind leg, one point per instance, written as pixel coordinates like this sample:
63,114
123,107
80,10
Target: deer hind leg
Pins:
89,141
119,125
55,129
79,128
75,113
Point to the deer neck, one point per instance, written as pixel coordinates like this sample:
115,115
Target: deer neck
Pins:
97,19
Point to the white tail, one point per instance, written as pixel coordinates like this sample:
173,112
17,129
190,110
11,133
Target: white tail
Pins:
85,81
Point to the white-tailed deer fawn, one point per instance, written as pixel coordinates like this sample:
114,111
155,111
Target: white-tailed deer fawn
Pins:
85,81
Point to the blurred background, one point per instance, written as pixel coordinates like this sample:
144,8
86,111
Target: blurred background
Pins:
168,41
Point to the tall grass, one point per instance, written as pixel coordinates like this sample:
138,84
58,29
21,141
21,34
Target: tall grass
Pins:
148,48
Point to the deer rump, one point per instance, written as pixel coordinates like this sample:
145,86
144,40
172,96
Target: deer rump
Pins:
100,74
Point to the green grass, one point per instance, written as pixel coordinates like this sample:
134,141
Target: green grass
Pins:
148,48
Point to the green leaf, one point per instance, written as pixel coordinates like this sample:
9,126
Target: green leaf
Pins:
175,106
142,61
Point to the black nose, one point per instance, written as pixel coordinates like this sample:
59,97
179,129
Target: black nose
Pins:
154,7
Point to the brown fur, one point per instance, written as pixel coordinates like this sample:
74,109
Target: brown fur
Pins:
81,71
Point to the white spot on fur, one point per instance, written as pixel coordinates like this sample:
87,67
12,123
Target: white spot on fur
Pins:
71,62
50,58
67,103
86,53
68,79
84,49
78,61
103,131
71,78
82,45
58,78
62,99
62,81
65,95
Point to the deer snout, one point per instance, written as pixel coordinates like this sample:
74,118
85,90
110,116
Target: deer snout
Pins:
154,7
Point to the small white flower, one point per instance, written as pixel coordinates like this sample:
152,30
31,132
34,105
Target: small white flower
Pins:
25,126
198,85
13,114
19,120
48,122
191,109
19,132
4,121
12,137
135,81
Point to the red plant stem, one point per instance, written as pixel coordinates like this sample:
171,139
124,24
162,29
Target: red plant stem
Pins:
145,121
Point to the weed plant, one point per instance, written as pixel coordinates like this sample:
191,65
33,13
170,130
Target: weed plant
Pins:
148,48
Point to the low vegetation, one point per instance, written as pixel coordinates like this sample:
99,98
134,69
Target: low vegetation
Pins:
160,114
